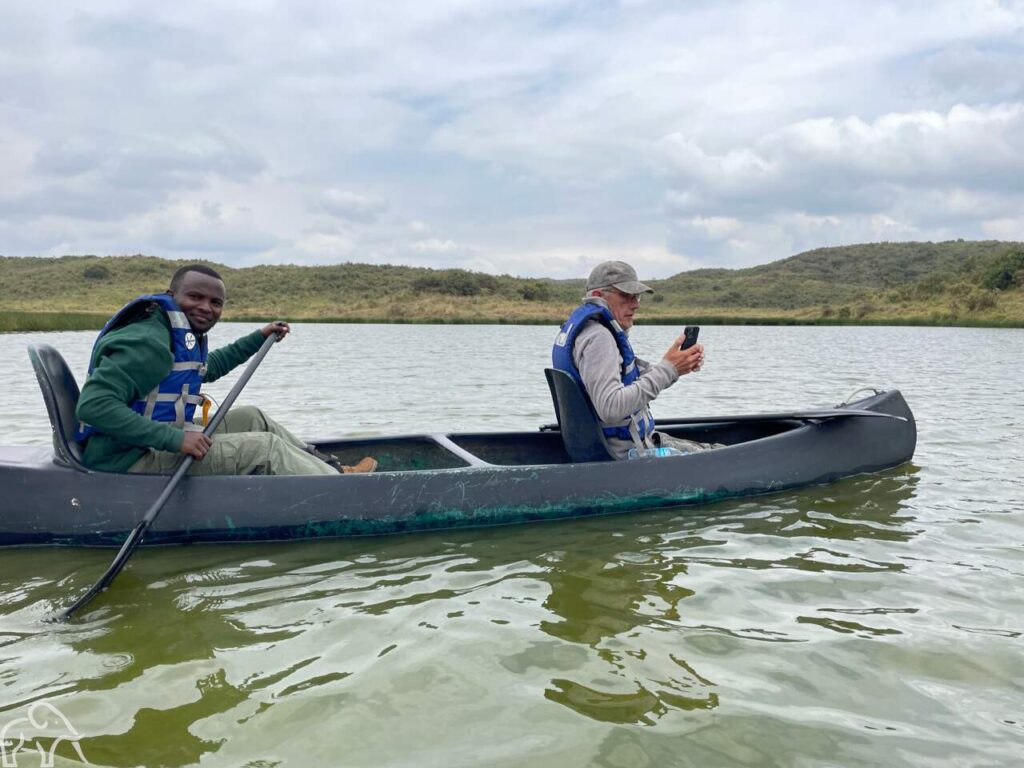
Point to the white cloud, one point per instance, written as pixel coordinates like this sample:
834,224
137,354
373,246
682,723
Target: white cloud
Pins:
188,230
351,206
435,245
826,181
983,145
715,227
1007,228
531,137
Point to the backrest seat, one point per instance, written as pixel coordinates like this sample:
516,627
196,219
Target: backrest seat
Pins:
582,435
60,393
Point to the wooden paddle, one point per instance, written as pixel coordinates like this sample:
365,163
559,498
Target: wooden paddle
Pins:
135,537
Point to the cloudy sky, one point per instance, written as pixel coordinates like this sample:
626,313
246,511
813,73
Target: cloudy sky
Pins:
532,137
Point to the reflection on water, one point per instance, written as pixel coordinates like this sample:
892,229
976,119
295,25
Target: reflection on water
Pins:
608,601
605,601
861,623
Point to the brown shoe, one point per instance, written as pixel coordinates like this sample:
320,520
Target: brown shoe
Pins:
368,464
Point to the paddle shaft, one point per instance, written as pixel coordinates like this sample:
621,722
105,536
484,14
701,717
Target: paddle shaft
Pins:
824,413
135,537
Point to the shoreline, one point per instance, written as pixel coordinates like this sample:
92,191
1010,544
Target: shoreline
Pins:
33,322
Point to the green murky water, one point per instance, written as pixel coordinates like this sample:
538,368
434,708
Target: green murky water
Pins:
876,621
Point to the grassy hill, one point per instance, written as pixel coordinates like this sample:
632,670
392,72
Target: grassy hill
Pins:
960,282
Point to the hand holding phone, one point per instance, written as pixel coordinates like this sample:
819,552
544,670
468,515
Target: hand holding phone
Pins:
690,334
687,357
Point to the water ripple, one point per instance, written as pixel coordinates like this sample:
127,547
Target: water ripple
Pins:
872,621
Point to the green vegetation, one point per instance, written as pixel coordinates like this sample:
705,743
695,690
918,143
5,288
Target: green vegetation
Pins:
51,321
958,282
1006,272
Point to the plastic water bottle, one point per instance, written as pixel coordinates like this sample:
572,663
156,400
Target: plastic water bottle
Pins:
645,453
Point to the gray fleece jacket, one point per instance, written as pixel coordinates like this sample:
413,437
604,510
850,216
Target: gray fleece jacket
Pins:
598,360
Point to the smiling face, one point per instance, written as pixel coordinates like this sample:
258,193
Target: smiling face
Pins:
201,297
622,305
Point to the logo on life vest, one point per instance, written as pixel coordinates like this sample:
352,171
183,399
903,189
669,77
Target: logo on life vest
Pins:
190,340
563,336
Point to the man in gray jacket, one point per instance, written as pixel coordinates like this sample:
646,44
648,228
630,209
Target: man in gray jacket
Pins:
593,346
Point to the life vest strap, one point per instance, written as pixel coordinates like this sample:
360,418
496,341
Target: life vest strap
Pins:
180,400
189,365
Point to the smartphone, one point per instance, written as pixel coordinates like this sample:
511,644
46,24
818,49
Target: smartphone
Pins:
690,334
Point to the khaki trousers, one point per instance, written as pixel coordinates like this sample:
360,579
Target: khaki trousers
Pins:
246,443
679,443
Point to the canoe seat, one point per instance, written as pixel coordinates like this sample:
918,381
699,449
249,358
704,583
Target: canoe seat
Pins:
581,431
60,393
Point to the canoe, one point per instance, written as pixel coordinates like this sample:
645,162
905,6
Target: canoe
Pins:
439,480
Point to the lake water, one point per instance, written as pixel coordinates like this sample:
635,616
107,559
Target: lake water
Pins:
875,621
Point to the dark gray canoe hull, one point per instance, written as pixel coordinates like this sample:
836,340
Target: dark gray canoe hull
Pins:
445,481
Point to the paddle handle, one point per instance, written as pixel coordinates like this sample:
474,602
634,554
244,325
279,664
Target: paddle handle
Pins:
135,537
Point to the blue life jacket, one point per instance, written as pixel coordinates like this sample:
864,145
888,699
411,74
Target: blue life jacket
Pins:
174,399
561,358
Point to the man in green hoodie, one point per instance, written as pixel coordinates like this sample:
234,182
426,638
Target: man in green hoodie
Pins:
137,405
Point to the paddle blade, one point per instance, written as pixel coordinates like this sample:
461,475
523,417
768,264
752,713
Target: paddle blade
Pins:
108,576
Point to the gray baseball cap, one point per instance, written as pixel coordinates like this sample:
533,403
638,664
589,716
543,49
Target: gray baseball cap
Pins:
617,274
